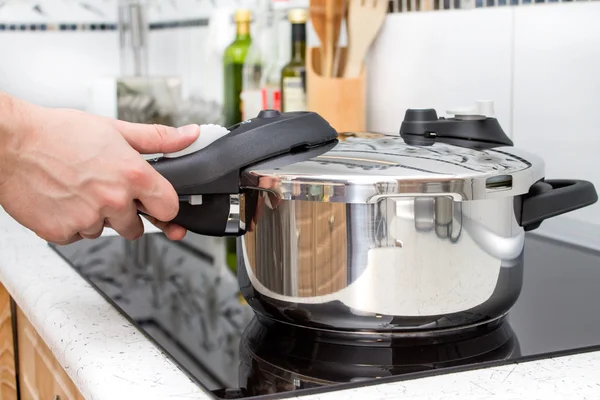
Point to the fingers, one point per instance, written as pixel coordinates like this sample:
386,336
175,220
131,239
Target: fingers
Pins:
148,139
75,238
94,231
126,221
155,193
171,230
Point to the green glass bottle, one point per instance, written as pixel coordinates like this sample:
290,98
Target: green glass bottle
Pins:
231,251
293,75
233,63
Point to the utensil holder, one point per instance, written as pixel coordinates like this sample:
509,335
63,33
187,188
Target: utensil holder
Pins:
341,101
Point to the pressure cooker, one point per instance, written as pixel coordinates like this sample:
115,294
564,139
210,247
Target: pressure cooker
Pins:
412,233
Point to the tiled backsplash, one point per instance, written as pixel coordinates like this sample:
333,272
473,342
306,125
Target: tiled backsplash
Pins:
539,63
437,5
85,44
105,11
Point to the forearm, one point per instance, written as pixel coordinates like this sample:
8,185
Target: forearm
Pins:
14,126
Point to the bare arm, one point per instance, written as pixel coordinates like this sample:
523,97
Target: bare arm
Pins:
66,174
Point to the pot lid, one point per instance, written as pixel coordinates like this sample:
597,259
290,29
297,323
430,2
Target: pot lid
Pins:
363,167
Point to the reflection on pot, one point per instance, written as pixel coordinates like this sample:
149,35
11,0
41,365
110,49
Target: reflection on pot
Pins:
279,357
402,263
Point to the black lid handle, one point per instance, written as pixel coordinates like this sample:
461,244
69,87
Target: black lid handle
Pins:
208,175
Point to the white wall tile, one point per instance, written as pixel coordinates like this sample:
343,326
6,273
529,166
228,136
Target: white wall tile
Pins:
20,12
442,60
195,61
180,52
557,91
54,68
163,57
545,83
59,11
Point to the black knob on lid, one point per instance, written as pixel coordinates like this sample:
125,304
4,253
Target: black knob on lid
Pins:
268,114
424,128
426,114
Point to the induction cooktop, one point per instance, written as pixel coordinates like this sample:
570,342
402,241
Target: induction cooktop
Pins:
191,308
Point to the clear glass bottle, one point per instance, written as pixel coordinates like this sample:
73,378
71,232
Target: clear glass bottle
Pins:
257,59
271,79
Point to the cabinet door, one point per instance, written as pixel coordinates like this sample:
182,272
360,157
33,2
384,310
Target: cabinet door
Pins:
8,380
40,375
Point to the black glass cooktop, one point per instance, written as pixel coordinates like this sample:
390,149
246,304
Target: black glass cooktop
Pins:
189,305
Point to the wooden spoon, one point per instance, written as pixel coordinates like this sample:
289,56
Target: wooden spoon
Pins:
316,11
365,18
341,15
329,35
326,17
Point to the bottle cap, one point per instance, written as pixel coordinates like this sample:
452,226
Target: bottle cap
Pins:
243,15
298,16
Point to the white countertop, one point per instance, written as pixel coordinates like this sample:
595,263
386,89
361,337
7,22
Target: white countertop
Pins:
105,356
108,358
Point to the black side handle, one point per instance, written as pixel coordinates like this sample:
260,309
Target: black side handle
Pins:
550,198
209,218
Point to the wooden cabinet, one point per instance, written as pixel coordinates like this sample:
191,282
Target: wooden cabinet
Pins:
8,376
40,376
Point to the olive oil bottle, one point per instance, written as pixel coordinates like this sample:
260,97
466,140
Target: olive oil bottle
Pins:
293,75
233,64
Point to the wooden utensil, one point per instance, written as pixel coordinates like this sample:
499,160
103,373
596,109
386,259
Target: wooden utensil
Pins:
329,35
337,66
316,11
365,18
326,17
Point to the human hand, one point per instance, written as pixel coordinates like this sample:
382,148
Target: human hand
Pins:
66,174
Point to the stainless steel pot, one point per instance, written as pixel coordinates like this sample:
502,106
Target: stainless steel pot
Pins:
381,235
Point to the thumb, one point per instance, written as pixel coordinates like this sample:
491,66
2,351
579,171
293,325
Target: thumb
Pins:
149,139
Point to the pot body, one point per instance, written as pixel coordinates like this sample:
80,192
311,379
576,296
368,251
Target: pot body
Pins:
402,264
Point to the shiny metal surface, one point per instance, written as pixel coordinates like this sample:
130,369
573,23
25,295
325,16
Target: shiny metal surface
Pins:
363,169
560,292
378,235
235,220
278,358
402,263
